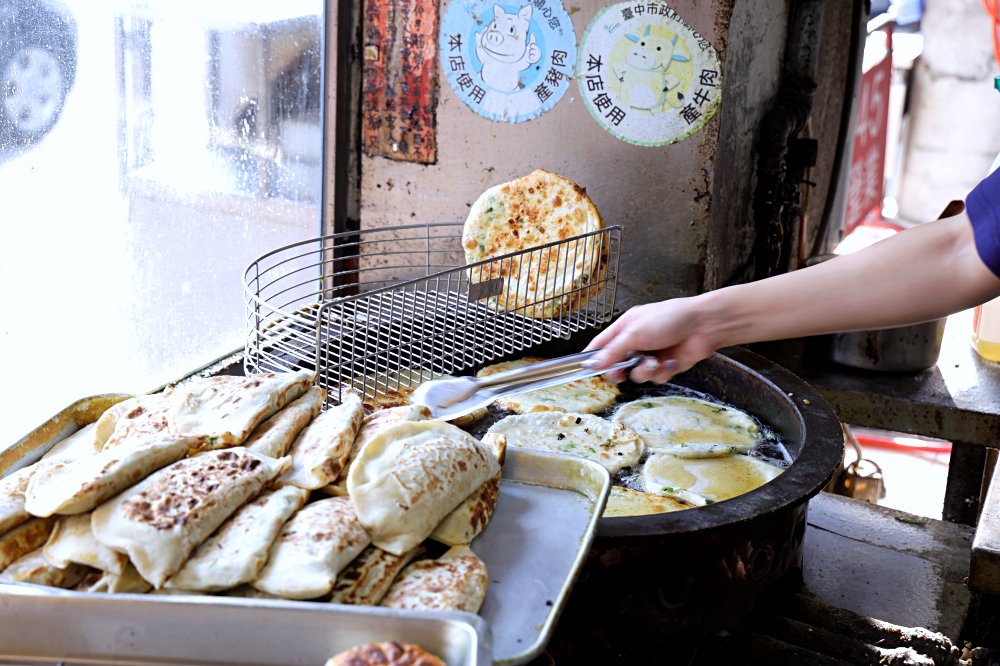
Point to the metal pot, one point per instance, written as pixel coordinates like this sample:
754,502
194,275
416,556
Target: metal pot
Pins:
904,349
654,586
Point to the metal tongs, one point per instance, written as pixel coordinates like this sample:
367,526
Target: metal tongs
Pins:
450,398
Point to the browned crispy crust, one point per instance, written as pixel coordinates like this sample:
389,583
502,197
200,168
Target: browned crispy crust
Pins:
24,538
390,653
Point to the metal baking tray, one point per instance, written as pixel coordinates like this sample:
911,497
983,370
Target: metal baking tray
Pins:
543,526
41,625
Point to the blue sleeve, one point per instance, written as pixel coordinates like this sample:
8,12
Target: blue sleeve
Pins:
983,207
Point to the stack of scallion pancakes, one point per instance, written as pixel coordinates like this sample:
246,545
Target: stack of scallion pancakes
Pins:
243,486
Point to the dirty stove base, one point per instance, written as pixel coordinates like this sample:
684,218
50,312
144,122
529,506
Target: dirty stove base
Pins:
861,562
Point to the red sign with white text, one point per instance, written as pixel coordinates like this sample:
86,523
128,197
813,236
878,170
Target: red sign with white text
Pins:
865,185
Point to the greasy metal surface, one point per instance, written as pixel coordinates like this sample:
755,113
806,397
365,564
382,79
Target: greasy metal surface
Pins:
33,446
400,89
887,564
535,545
53,625
541,530
984,570
958,399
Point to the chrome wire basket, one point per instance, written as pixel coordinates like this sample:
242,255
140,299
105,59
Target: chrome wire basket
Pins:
383,309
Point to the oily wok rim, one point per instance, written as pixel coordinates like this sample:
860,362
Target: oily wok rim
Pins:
805,422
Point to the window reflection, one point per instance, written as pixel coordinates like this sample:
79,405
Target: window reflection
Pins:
164,145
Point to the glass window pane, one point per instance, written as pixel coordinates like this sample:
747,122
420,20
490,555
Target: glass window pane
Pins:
148,152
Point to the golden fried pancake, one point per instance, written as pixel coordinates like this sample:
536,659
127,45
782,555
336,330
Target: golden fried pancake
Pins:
161,520
455,581
582,396
525,213
628,502
690,427
613,445
707,480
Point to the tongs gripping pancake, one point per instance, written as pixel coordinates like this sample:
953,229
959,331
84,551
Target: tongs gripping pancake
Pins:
451,398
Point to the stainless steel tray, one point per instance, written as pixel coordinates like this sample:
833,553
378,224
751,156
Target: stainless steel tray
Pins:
534,546
41,625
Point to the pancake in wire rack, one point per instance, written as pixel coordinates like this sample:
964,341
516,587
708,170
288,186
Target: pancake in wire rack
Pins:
581,396
690,427
521,215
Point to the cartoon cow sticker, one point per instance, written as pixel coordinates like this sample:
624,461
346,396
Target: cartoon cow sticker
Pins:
645,75
644,78
506,48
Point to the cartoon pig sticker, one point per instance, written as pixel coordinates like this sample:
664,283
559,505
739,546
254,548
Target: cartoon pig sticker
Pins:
645,83
506,49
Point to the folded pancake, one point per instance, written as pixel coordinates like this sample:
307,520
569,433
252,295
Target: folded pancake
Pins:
690,427
455,581
229,408
23,539
238,550
105,426
145,419
128,582
469,518
628,502
582,396
613,445
80,445
321,450
162,519
706,480
72,540
312,548
33,568
524,214
411,475
274,436
385,654
77,487
371,426
366,580
12,489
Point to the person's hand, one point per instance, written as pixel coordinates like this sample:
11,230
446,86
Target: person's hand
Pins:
671,332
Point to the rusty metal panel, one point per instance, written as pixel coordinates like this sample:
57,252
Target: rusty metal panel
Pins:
400,89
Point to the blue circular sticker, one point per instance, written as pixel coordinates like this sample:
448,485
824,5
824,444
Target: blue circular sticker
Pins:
646,75
509,62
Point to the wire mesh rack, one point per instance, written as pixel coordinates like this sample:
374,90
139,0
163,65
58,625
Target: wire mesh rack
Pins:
383,309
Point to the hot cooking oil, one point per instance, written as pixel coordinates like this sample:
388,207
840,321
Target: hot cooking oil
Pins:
986,330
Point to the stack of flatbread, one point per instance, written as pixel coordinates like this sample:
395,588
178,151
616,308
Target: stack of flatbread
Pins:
522,218
247,486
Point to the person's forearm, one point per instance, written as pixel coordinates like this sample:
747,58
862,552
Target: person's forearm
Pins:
918,275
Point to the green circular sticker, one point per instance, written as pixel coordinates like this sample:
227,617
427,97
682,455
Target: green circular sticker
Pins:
647,76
